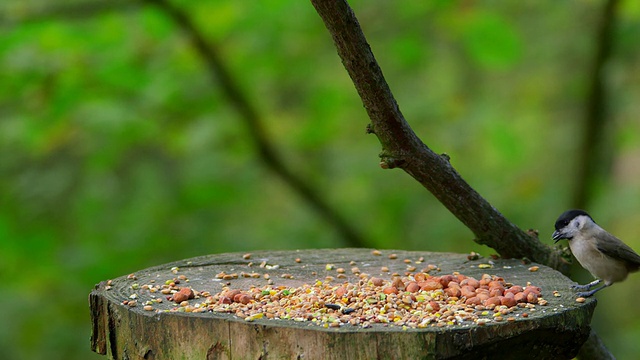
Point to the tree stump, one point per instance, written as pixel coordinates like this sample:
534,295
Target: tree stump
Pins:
124,328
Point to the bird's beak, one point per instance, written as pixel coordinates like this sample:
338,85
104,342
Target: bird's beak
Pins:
557,236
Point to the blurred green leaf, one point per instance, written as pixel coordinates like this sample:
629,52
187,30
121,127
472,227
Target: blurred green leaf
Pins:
490,40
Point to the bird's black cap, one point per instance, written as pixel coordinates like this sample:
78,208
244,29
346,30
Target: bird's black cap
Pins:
569,215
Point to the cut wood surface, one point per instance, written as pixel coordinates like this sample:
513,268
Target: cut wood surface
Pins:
553,331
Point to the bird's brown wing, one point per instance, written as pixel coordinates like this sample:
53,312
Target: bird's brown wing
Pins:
615,248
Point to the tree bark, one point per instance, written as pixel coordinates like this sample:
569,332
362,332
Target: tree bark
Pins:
402,148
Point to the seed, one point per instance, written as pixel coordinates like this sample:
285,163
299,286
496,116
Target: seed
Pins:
413,287
581,299
514,289
493,301
470,282
473,301
453,292
384,269
244,299
430,285
232,293
340,270
542,302
376,253
367,301
508,301
407,261
390,290
298,260
393,256
398,284
520,297
534,268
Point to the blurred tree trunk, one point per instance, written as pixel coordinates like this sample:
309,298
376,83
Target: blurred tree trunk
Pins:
250,115
594,156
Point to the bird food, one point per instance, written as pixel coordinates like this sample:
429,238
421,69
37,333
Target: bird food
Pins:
412,301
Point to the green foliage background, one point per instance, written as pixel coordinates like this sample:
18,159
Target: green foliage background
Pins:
118,152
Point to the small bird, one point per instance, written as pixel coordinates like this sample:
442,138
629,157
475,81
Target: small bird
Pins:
605,256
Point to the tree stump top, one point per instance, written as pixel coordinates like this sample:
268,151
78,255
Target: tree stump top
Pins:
124,327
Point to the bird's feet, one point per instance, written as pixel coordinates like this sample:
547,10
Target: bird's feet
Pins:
585,286
587,293
588,287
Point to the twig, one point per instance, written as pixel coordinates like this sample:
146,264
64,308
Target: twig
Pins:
249,114
402,148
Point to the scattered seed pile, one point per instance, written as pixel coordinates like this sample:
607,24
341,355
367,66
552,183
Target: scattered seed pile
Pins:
413,300
417,300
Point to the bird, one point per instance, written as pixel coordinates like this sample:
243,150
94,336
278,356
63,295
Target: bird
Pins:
605,256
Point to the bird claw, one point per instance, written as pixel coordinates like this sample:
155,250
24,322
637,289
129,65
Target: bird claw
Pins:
586,286
586,293
581,287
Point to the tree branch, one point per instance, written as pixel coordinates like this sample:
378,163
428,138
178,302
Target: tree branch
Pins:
402,148
248,113
592,155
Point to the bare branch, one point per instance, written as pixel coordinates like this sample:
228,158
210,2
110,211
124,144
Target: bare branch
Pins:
402,148
248,113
